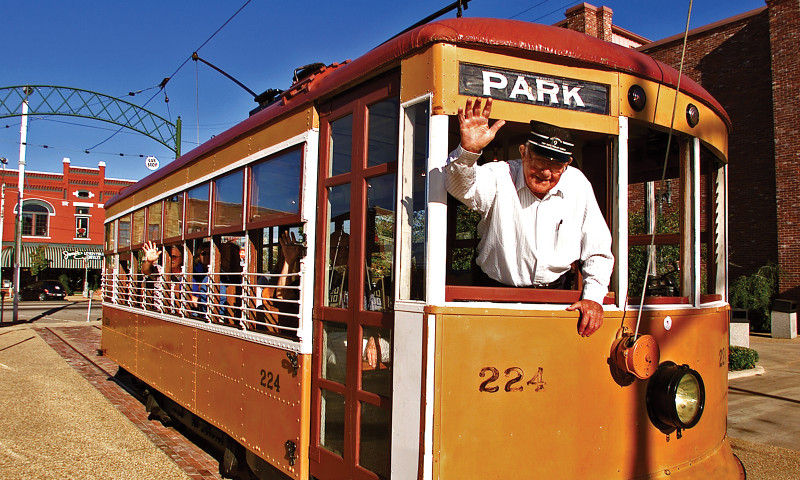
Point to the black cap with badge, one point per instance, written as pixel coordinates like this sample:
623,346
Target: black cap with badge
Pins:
550,141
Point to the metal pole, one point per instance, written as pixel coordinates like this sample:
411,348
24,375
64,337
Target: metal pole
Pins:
89,310
4,161
85,276
23,138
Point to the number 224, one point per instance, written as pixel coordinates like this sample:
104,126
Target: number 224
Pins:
267,380
515,374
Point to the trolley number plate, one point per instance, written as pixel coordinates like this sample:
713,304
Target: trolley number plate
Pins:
513,378
270,380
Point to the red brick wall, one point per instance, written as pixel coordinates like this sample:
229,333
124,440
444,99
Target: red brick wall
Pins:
732,62
784,20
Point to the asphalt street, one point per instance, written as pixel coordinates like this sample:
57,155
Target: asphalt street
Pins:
53,311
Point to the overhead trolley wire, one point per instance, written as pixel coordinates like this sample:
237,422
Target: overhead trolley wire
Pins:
166,80
527,9
562,7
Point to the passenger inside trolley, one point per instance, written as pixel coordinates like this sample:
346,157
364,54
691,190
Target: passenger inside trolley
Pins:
162,287
279,292
199,279
230,284
529,205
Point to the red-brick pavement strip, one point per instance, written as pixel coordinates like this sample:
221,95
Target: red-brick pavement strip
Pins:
197,463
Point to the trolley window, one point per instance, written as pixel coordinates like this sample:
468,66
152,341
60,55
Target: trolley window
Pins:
138,227
341,144
382,132
110,230
414,215
154,222
124,233
712,227
197,204
656,210
275,188
229,200
173,216
465,279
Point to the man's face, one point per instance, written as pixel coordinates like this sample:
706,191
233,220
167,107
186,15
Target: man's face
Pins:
541,173
176,259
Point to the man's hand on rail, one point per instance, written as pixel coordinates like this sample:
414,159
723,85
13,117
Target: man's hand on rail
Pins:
591,316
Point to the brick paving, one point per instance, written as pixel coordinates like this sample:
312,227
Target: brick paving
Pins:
79,346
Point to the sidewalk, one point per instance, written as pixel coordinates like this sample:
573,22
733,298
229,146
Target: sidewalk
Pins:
764,411
55,425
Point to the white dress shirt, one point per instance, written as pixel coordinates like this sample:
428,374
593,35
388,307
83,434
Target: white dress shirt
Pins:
530,241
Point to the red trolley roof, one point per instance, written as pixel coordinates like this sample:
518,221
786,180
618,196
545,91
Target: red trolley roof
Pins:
543,42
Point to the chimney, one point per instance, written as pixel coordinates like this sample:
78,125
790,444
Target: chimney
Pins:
582,18
604,15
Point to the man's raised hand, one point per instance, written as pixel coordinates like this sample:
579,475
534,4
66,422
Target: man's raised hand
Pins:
473,122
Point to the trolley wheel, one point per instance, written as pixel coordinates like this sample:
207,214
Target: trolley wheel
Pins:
232,460
42,297
156,412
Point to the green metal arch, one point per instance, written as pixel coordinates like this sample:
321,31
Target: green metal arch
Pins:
74,102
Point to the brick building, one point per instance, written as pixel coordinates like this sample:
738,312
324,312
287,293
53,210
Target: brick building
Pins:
63,212
748,63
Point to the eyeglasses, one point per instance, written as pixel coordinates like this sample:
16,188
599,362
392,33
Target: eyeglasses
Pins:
539,163
176,256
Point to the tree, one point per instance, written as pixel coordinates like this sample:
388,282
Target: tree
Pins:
39,262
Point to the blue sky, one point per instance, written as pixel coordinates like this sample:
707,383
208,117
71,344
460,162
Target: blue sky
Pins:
115,47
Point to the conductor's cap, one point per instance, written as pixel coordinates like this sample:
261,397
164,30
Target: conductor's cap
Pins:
550,141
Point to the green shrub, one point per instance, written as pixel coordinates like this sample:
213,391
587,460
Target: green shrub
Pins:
755,294
741,358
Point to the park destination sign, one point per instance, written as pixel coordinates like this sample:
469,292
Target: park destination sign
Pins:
532,88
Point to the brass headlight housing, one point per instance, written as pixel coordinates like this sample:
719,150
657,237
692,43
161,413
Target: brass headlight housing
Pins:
676,396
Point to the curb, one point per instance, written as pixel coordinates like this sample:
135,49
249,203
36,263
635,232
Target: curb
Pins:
746,373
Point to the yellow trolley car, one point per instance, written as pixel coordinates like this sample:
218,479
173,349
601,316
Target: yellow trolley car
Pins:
358,345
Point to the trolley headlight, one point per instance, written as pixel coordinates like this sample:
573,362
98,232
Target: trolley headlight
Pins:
675,397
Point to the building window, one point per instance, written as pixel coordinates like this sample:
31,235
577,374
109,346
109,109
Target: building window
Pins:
81,227
81,210
35,220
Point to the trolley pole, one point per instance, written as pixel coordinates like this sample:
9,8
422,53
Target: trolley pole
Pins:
23,138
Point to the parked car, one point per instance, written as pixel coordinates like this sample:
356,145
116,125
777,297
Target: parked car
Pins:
44,290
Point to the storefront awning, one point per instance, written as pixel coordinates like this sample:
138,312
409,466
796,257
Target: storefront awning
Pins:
60,256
